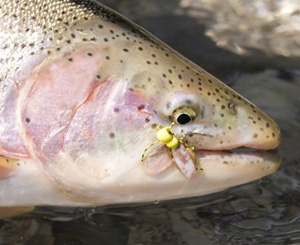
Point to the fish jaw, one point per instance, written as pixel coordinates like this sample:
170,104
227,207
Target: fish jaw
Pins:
218,171
129,183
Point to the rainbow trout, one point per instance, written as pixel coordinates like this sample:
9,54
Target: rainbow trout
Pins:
95,110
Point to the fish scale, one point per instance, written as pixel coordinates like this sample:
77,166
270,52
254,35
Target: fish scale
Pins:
83,90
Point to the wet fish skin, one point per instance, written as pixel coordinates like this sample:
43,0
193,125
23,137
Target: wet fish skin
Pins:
82,90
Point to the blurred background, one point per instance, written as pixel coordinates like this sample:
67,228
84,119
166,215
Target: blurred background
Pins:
253,46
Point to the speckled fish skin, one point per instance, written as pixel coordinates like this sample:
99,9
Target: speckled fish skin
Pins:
82,90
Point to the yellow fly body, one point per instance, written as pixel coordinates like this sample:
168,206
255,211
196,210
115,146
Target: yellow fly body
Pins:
169,138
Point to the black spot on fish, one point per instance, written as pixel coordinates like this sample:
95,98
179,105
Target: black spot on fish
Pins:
154,125
141,107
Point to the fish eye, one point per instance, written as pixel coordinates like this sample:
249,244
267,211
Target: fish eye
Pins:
184,115
184,119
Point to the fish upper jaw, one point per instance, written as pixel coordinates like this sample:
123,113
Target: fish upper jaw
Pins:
243,130
245,139
263,135
224,120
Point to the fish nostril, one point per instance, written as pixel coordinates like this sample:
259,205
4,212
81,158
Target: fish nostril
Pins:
231,106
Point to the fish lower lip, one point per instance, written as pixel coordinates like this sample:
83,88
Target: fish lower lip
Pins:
260,162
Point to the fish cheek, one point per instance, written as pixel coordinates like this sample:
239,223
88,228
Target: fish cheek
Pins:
53,94
109,120
101,134
76,124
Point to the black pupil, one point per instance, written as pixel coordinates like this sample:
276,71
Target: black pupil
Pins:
184,119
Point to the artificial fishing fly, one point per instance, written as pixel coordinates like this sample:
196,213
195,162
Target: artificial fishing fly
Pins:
181,152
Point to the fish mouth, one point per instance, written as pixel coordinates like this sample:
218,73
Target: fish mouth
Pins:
241,152
263,152
267,160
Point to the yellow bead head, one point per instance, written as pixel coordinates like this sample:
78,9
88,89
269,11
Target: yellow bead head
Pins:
173,143
164,135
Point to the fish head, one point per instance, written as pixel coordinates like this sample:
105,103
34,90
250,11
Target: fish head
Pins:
107,93
110,132
234,141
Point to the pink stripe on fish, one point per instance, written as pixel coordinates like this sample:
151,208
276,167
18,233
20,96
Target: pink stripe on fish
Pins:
58,90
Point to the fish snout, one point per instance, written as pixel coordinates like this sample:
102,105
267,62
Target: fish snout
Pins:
257,130
245,128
